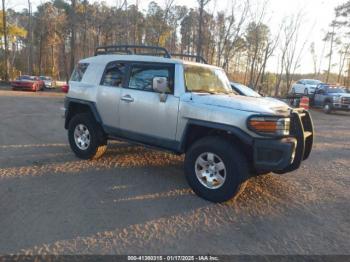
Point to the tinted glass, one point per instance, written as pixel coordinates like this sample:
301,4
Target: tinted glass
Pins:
336,90
45,78
204,79
114,75
141,76
312,82
79,71
246,90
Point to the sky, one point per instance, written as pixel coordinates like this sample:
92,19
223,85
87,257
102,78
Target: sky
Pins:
318,14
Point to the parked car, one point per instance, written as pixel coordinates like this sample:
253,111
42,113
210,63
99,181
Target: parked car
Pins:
331,98
247,91
185,108
305,86
48,82
65,88
30,83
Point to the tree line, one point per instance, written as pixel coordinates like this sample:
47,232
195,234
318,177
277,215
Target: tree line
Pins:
52,39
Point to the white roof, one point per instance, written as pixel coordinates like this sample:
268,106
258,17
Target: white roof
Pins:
104,59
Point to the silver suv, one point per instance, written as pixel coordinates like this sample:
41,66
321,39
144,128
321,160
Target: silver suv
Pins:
185,108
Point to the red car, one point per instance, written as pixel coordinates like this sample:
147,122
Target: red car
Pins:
30,83
65,88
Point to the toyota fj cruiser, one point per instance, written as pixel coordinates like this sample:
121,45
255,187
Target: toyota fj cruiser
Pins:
125,92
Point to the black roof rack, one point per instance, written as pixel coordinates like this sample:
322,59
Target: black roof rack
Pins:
132,49
151,51
198,58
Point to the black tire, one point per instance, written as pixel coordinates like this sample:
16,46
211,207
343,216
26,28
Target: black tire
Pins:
236,164
98,141
327,108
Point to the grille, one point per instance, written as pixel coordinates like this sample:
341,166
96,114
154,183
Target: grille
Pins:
345,100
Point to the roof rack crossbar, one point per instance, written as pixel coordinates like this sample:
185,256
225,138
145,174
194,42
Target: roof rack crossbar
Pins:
131,49
197,57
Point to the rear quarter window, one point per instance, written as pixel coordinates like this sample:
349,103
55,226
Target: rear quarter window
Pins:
79,72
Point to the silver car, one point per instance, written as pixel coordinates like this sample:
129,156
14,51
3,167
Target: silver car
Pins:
247,91
185,108
305,87
49,83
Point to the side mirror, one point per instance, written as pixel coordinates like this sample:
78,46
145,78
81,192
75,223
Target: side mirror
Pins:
160,85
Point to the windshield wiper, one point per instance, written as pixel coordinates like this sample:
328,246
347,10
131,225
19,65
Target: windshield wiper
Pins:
204,91
211,92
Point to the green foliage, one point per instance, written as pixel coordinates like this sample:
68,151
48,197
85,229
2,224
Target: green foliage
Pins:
13,31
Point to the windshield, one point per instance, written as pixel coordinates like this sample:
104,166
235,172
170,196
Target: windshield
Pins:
312,82
45,78
24,78
206,80
245,90
336,90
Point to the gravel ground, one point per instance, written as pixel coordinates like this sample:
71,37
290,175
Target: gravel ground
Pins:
136,201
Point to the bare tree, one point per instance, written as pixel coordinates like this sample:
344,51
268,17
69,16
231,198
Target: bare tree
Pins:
330,37
6,59
72,39
314,57
202,4
30,39
289,55
343,55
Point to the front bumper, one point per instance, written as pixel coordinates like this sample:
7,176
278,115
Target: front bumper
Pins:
341,107
286,154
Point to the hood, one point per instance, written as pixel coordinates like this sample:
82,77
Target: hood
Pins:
244,103
339,94
24,81
312,86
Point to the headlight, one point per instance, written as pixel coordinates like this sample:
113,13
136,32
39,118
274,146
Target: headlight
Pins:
336,98
271,126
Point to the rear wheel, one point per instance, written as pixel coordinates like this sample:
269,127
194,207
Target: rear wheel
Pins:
86,137
215,169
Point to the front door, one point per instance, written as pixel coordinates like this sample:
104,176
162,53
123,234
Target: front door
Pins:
109,91
143,116
319,97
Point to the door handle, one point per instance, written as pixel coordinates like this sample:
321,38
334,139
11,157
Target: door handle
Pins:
127,98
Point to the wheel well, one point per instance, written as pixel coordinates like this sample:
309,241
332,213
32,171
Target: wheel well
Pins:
327,100
196,132
76,108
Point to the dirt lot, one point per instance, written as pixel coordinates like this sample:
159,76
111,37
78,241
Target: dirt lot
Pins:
136,201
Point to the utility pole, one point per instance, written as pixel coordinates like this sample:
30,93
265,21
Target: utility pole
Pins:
6,76
30,39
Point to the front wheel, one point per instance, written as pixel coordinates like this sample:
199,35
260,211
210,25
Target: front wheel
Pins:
86,137
327,108
215,169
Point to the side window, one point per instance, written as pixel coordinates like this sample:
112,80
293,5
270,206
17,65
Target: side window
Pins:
114,75
320,91
79,72
141,76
